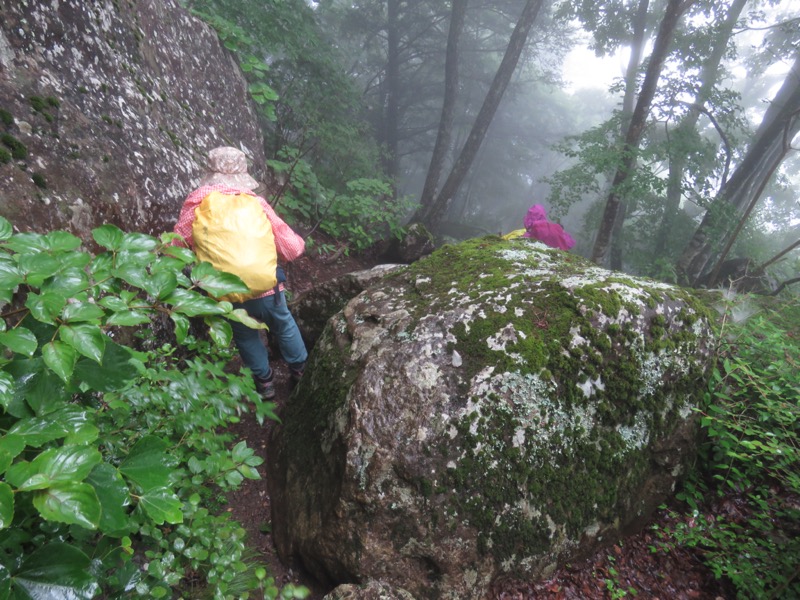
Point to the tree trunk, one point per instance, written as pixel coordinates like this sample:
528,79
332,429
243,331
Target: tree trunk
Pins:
444,134
677,163
770,144
432,215
392,87
674,10
637,50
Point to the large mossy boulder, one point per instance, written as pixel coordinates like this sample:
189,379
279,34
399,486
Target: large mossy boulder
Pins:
495,409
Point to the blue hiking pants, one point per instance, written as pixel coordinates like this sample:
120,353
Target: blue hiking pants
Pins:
273,311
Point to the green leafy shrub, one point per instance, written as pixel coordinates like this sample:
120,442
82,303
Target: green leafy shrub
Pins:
18,149
359,217
39,180
113,460
744,511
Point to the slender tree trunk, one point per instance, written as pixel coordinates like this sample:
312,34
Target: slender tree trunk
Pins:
771,142
635,61
432,215
677,163
674,10
392,87
458,11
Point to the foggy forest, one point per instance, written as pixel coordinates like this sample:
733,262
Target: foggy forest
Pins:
677,158
140,459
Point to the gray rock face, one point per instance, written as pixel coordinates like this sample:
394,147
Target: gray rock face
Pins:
312,309
495,409
372,590
114,105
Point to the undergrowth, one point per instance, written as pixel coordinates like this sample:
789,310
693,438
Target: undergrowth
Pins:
114,454
743,500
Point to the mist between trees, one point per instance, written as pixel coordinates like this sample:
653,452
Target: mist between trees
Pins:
684,162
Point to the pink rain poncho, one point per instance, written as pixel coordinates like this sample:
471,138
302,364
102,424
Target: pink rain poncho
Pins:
539,228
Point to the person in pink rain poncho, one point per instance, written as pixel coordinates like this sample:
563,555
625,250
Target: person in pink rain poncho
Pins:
537,227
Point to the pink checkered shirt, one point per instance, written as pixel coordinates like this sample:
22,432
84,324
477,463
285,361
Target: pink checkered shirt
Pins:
288,244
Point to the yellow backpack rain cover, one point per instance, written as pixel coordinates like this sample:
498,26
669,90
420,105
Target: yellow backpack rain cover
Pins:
232,233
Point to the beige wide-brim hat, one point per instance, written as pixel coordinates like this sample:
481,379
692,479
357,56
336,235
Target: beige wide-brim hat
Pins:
228,166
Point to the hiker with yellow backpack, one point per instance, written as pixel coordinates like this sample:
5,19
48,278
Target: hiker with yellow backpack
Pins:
228,225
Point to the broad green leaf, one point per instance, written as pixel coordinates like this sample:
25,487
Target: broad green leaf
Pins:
10,277
138,242
6,390
69,502
162,505
61,358
147,463
24,476
248,472
181,326
36,431
117,369
127,318
89,340
240,452
220,331
74,260
46,307
108,236
167,264
217,283
161,284
57,571
6,229
242,317
80,426
71,422
10,447
113,496
38,267
234,478
27,242
20,340
68,282
113,303
6,505
184,255
35,387
101,266
193,304
62,241
134,273
83,312
67,463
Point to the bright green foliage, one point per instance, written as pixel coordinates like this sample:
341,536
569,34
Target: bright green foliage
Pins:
298,79
111,459
358,217
311,110
753,426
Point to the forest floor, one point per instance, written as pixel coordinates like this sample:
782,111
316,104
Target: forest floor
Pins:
626,569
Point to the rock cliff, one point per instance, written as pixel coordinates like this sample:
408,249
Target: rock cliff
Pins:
107,109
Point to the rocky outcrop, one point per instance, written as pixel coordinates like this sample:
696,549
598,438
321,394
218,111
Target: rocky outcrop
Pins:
313,308
495,409
372,590
108,108
415,243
